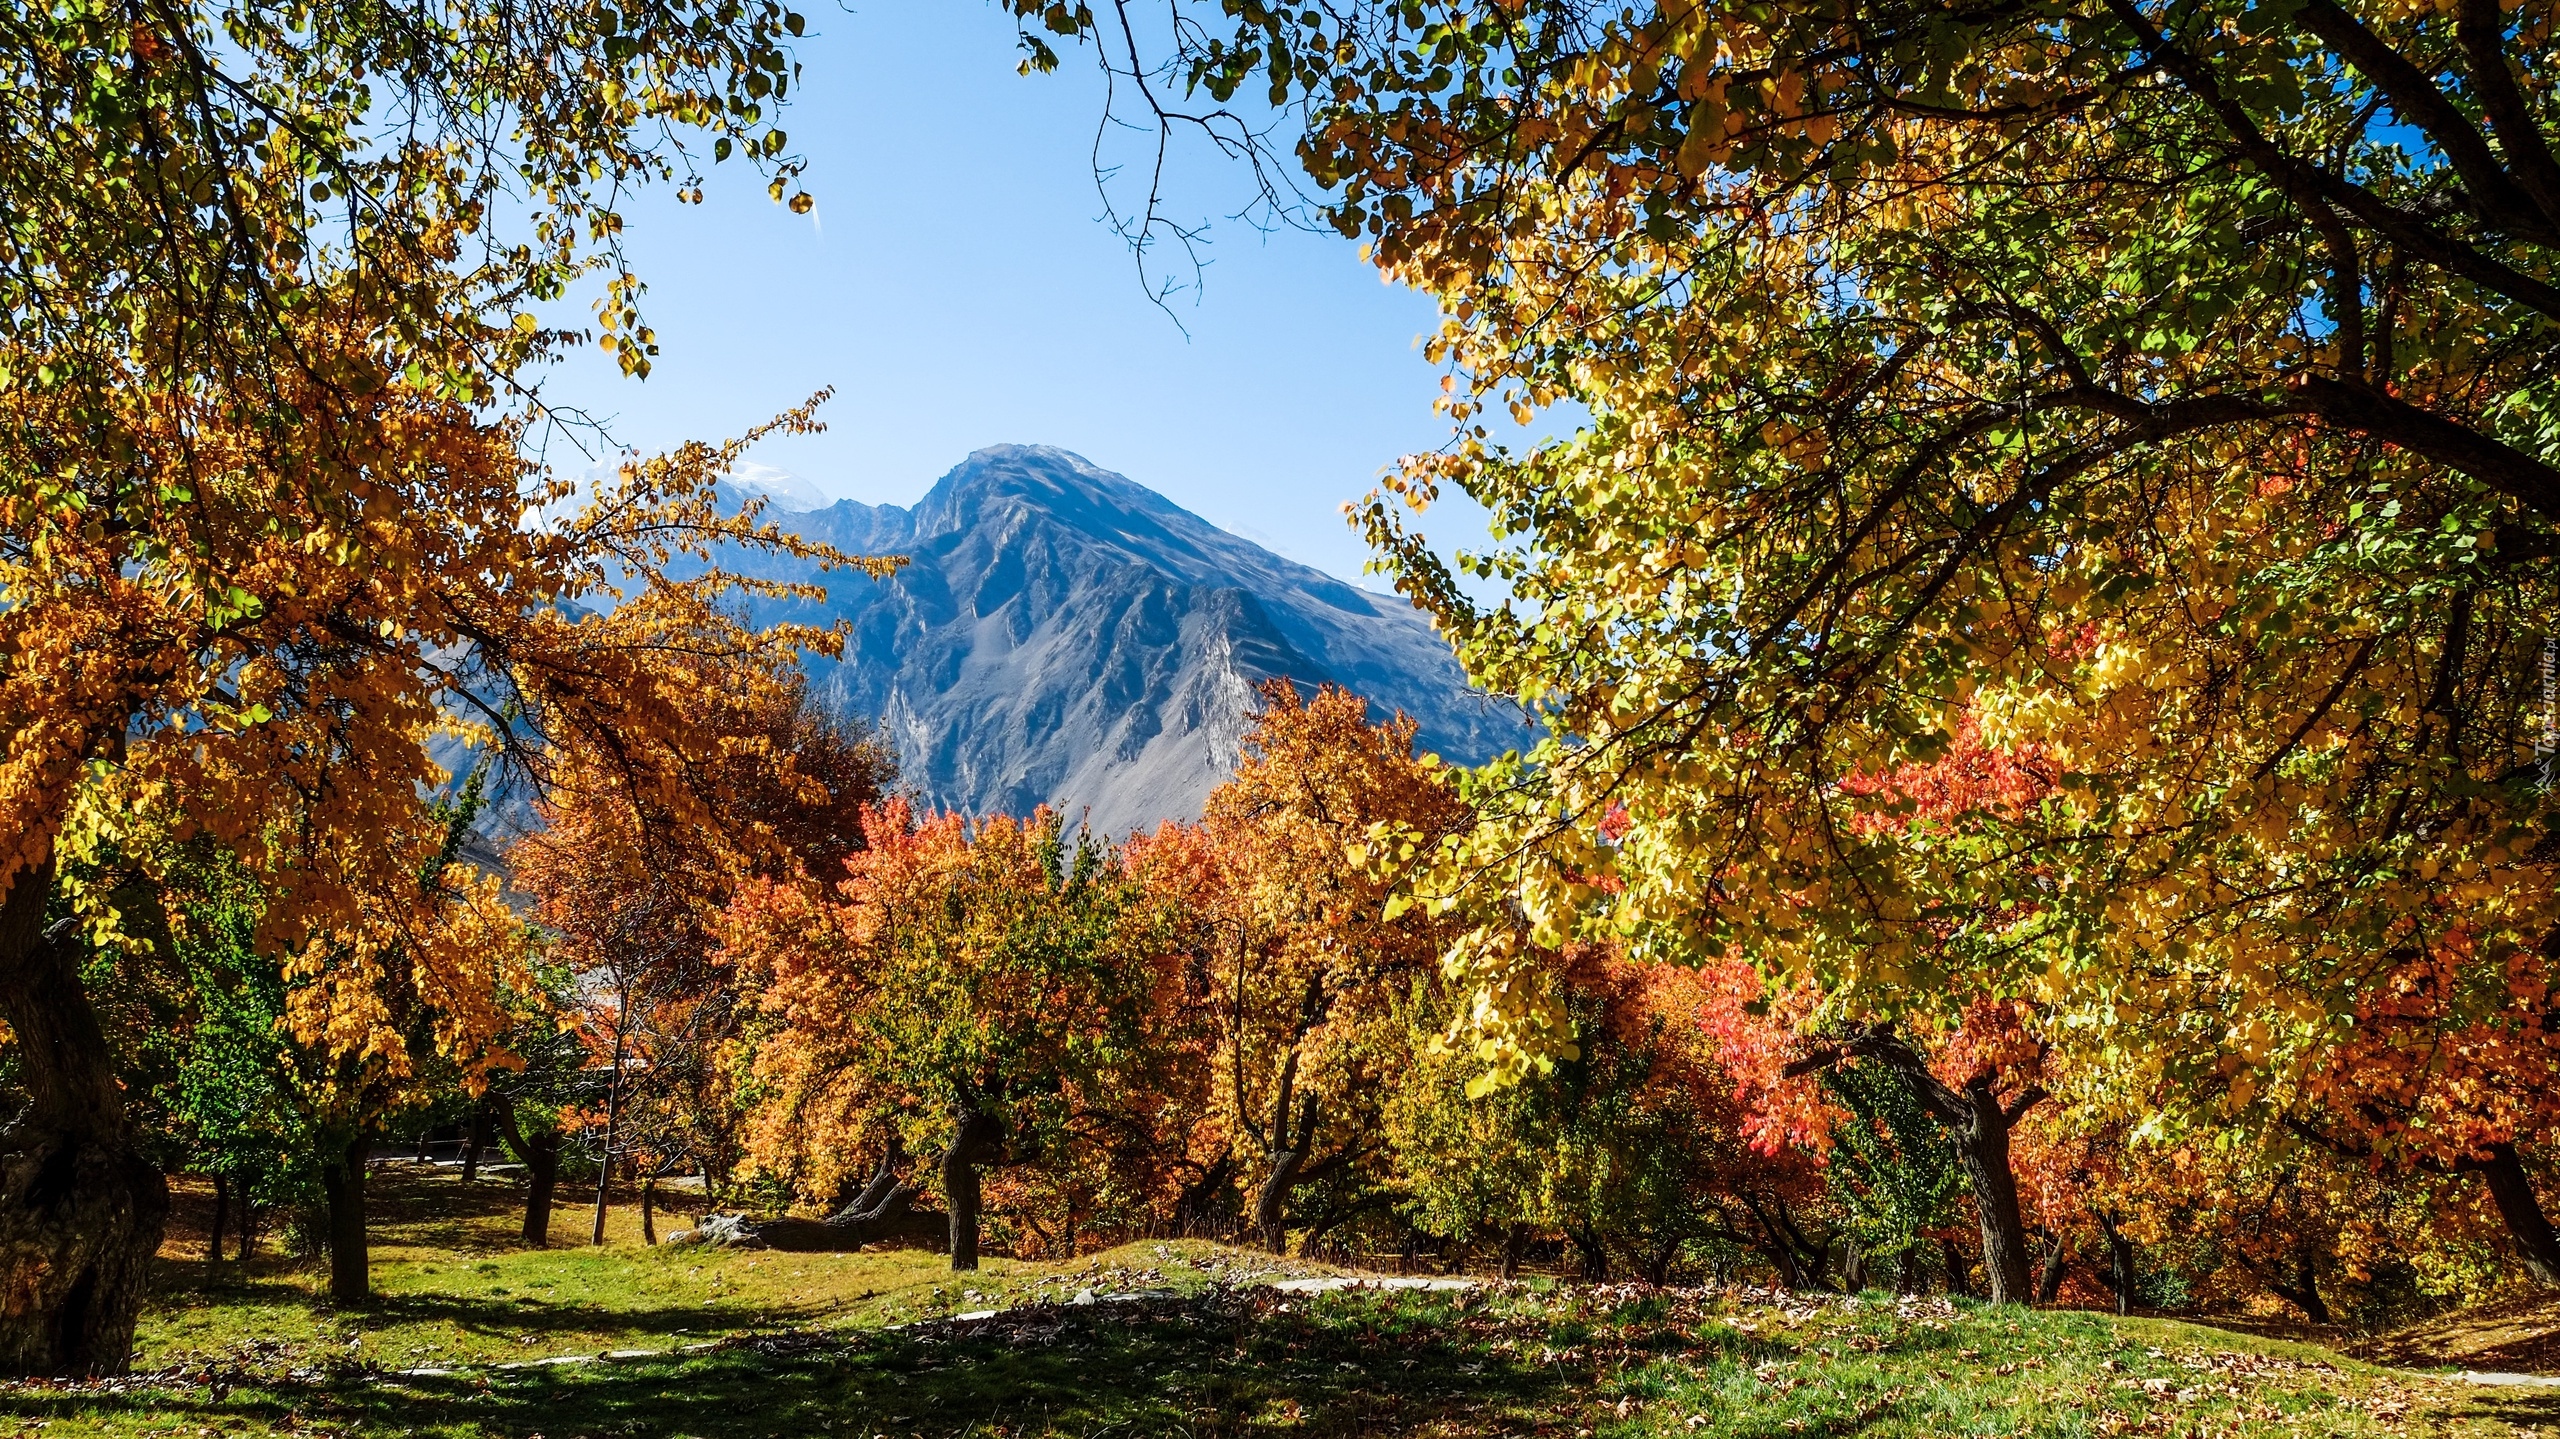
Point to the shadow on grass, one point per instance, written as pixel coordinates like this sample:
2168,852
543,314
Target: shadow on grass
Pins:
2524,1410
525,1315
1224,1366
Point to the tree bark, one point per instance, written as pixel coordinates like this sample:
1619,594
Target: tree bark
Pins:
1801,1264
2304,1292
1206,1208
1515,1240
1594,1252
648,1208
540,1157
2512,1190
2120,1259
884,1212
81,1209
350,1265
1980,1124
221,1216
2057,1261
476,1141
1953,1258
978,1138
246,1200
612,1119
1271,1201
1984,1152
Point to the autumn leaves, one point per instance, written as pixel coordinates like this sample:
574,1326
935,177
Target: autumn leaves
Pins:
2064,523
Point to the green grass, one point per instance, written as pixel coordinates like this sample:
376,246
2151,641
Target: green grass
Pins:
799,1347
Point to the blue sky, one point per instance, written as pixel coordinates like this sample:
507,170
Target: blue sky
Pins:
956,286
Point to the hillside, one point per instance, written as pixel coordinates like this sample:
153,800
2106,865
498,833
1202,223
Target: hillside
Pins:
1063,635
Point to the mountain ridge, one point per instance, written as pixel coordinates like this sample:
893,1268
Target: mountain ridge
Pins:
1064,635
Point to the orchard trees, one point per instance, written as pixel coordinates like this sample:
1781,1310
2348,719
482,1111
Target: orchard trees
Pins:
258,266
2106,377
989,990
631,902
1311,962
218,630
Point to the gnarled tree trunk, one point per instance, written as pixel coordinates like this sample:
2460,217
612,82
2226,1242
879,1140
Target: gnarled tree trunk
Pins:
1594,1251
1980,1124
2057,1261
1288,1140
350,1260
883,1213
1206,1208
475,1141
1957,1271
81,1209
1982,1147
2120,1271
2303,1290
2512,1190
540,1156
977,1139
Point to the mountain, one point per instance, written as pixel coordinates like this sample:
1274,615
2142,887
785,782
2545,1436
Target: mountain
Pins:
1063,635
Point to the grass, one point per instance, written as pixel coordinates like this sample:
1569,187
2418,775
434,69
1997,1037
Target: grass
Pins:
799,1345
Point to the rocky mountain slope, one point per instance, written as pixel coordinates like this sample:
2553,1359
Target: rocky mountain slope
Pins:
1062,635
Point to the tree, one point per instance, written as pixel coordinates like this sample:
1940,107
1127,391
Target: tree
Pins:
1634,1149
631,903
185,180
2106,375
256,265
253,636
1312,960
1893,1167
982,989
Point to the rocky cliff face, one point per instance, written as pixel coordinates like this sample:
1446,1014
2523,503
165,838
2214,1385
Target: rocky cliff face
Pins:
1062,635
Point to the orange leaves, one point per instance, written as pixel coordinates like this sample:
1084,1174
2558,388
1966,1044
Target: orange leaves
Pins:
999,966
219,624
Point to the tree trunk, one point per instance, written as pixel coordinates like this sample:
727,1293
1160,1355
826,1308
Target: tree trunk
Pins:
350,1268
1957,1283
81,1209
1980,1124
1853,1269
2304,1293
474,1142
884,1212
648,1216
2119,1262
2512,1189
542,1181
977,1138
2057,1260
1985,1155
1515,1239
612,1107
426,1142
1594,1252
1205,1209
1271,1201
1798,1262
221,1216
540,1156
245,1199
